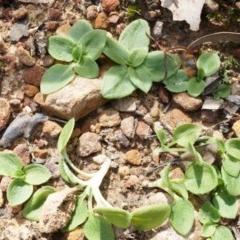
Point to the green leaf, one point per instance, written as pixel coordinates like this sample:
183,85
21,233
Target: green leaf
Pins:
195,87
226,204
232,147
223,91
98,228
116,83
140,81
179,188
77,53
153,67
87,68
186,133
208,230
222,233
33,207
61,48
172,63
232,184
178,82
200,179
142,218
18,192
79,29
182,216
93,43
56,77
117,216
162,137
36,174
231,165
137,56
116,51
200,74
208,214
65,135
79,215
10,165
209,62
135,35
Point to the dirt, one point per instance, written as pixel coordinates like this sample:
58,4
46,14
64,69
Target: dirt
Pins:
126,135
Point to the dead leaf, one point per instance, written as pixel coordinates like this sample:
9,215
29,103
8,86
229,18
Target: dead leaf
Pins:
188,10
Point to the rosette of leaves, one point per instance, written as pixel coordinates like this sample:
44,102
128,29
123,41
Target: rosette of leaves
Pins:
79,50
92,210
23,177
137,68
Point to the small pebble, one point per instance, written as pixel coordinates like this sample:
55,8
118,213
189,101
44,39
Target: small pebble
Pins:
133,157
51,129
236,128
109,118
124,171
92,12
143,130
101,21
22,151
30,90
5,112
110,5
33,75
24,57
54,14
20,13
128,126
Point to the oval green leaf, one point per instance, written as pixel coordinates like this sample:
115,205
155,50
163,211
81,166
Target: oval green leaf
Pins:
186,133
231,165
18,192
149,217
65,135
79,29
182,216
177,83
195,87
223,91
135,35
116,83
10,165
200,179
33,207
222,233
140,81
172,63
93,43
232,147
209,62
87,68
137,56
226,204
61,48
36,174
56,77
208,230
208,214
116,216
79,215
116,51
98,228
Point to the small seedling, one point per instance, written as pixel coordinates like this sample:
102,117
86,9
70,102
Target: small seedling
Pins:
92,209
79,49
137,68
201,178
24,177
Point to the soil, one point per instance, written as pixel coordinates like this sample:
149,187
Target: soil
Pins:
134,159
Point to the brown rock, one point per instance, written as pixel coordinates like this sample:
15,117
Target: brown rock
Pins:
236,128
33,75
92,12
30,90
110,5
76,234
24,57
186,102
89,143
128,126
52,25
51,129
176,117
133,157
101,21
143,130
124,171
127,104
22,151
163,94
77,99
20,13
109,118
5,112
209,116
54,14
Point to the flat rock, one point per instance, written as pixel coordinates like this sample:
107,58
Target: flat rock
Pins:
77,99
186,102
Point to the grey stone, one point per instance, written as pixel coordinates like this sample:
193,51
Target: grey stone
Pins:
77,99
